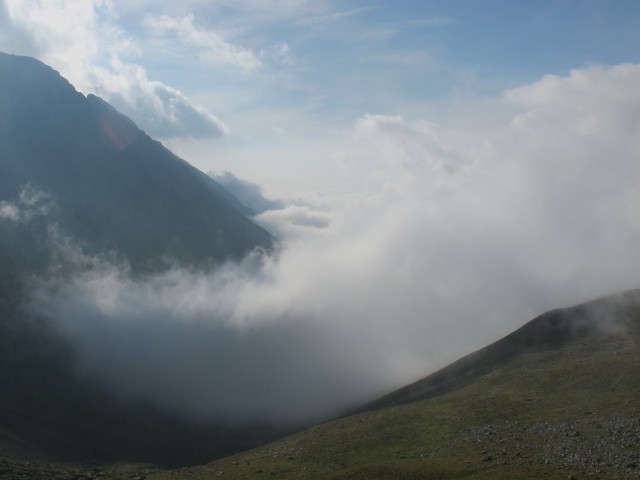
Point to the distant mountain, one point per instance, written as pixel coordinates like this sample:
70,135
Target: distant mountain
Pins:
112,187
77,176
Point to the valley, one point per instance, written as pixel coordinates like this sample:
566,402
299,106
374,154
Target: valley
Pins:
568,411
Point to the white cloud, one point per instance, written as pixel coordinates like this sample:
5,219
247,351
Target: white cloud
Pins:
30,203
280,53
295,222
455,239
69,35
14,38
158,109
210,46
9,211
81,39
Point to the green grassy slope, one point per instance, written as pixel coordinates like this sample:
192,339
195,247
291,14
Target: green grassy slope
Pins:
571,410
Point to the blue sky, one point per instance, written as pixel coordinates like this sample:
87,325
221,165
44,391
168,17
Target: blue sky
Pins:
271,87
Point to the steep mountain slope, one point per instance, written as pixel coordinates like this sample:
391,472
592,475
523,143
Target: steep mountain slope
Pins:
111,186
80,180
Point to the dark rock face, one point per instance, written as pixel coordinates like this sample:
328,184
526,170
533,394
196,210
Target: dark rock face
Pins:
114,187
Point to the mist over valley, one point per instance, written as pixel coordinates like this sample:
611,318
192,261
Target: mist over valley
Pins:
152,312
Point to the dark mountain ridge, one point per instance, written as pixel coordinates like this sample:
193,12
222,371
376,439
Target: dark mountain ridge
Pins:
79,178
115,188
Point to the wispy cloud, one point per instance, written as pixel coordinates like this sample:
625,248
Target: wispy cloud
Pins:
280,52
210,46
31,202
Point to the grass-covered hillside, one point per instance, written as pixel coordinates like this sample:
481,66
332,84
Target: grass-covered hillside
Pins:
569,409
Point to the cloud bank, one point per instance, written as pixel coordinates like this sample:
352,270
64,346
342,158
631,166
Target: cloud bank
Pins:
457,237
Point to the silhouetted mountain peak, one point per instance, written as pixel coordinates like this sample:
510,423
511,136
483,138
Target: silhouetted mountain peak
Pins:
116,188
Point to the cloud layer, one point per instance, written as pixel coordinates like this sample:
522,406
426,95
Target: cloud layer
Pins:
457,238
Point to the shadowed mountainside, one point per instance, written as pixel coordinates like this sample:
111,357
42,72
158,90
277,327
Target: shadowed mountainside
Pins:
112,188
79,180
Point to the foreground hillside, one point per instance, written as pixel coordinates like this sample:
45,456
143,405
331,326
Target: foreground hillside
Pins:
557,410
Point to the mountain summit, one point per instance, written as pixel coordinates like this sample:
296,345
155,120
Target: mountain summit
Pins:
112,187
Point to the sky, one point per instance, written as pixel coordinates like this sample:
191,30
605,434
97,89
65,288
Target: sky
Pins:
437,172
271,91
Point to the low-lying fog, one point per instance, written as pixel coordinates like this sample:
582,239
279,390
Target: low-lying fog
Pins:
454,238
